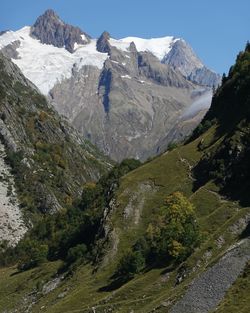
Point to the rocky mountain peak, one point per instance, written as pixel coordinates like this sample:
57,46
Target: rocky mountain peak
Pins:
103,44
50,16
182,58
105,35
3,32
132,47
50,29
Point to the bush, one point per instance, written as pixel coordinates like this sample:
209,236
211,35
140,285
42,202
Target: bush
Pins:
172,146
89,194
202,128
32,254
131,263
76,253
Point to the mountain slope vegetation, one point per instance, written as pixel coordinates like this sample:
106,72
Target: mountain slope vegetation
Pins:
204,175
48,159
229,164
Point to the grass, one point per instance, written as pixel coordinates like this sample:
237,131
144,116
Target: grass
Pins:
143,191
15,286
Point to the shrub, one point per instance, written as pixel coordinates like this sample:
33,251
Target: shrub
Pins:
172,146
202,128
32,254
131,263
43,116
76,253
89,194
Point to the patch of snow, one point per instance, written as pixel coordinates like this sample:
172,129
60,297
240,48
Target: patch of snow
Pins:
119,44
130,138
114,62
157,46
123,63
46,65
83,37
126,76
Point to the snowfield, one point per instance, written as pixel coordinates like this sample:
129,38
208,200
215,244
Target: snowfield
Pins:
45,65
159,47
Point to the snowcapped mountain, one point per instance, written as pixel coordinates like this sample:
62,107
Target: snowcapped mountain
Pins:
50,29
159,47
44,64
130,77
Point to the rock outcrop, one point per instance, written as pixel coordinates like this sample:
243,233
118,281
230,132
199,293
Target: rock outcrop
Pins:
10,51
183,58
12,225
51,30
102,44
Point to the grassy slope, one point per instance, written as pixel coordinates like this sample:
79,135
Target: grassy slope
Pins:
154,289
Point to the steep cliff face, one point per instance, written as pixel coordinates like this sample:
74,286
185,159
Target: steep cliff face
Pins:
49,161
12,224
130,106
183,58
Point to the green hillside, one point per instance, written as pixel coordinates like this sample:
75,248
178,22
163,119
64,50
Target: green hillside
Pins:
211,174
154,288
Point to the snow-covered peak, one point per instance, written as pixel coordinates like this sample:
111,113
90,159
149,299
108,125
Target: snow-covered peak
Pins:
10,36
159,47
45,65
50,29
49,15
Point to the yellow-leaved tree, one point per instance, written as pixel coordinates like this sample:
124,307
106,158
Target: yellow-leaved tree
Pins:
173,233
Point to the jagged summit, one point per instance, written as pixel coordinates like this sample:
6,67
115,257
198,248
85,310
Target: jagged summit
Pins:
50,29
183,58
51,15
3,32
102,44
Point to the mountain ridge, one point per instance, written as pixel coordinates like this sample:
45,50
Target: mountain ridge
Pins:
104,106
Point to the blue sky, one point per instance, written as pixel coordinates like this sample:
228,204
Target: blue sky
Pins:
216,29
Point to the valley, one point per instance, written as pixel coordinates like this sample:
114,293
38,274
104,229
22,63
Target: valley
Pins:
124,169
